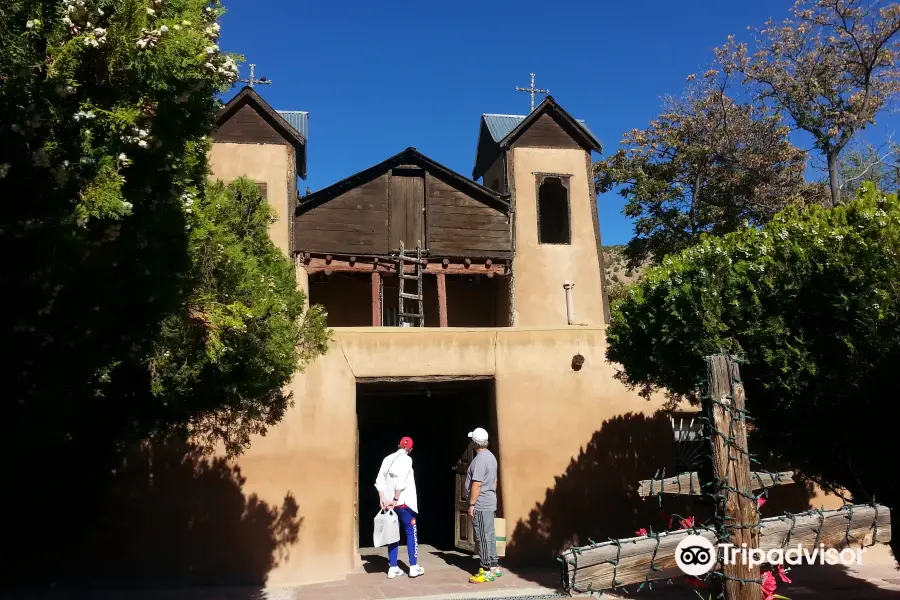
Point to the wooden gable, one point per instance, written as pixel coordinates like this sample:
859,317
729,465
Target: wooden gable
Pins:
248,119
411,199
547,126
548,131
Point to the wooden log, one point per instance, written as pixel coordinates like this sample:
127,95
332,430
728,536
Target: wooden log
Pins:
592,568
724,408
442,299
336,265
376,299
689,483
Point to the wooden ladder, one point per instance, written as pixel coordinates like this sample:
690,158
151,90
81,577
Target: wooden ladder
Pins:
415,319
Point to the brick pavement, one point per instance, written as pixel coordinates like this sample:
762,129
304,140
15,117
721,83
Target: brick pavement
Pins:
447,573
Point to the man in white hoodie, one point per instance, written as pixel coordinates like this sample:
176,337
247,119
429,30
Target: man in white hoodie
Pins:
396,484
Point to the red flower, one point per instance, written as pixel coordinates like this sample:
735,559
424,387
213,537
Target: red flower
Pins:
694,582
641,531
664,515
760,501
783,574
768,585
687,522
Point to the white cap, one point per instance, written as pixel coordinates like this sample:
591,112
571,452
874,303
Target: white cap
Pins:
479,435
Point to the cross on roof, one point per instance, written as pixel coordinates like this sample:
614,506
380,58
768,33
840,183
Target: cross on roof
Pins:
532,90
253,80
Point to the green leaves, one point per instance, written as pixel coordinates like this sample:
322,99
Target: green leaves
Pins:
221,364
706,165
810,301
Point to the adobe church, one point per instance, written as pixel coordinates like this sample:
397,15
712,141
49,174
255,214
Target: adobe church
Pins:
455,302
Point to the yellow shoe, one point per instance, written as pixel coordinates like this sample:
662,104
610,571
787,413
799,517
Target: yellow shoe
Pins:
482,577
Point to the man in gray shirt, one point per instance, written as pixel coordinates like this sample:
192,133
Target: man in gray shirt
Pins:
481,483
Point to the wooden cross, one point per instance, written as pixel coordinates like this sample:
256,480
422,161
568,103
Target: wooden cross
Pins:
532,90
618,563
253,80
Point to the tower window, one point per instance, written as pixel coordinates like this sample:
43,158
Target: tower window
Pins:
553,212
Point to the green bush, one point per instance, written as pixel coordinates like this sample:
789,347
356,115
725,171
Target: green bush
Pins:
810,302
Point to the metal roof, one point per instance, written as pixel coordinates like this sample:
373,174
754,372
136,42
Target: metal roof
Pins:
499,126
297,119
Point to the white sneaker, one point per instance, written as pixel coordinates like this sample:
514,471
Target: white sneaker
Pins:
416,571
394,572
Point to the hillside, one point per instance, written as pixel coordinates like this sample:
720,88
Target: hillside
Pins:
618,275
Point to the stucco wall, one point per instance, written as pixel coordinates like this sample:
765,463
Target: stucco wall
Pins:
547,412
272,164
539,270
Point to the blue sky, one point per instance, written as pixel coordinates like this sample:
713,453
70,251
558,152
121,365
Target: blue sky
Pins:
377,77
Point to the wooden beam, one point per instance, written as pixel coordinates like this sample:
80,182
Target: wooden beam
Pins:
376,299
442,298
724,410
651,558
689,483
427,379
336,265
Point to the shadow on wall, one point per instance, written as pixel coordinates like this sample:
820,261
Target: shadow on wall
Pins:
597,496
175,517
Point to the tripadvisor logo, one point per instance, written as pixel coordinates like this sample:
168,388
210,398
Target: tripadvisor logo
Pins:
695,555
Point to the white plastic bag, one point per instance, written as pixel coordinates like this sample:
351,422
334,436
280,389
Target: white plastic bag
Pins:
387,528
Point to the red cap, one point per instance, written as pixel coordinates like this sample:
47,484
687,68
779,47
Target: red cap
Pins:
406,442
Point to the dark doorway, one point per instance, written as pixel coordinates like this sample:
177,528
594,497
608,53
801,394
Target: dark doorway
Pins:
437,415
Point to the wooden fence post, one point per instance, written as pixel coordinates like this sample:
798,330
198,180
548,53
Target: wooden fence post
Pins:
736,507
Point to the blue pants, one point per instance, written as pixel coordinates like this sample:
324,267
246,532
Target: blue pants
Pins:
408,524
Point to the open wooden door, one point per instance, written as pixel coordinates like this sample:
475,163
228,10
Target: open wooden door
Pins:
464,535
356,497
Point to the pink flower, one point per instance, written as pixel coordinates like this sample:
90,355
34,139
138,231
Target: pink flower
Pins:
783,574
641,531
760,501
768,585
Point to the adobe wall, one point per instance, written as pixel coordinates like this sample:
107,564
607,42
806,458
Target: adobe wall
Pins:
539,270
547,413
272,164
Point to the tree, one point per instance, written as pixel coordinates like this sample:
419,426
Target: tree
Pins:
880,166
139,303
106,107
706,165
219,366
831,67
810,302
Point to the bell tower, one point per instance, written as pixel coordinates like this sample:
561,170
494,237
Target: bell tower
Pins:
255,141
543,162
